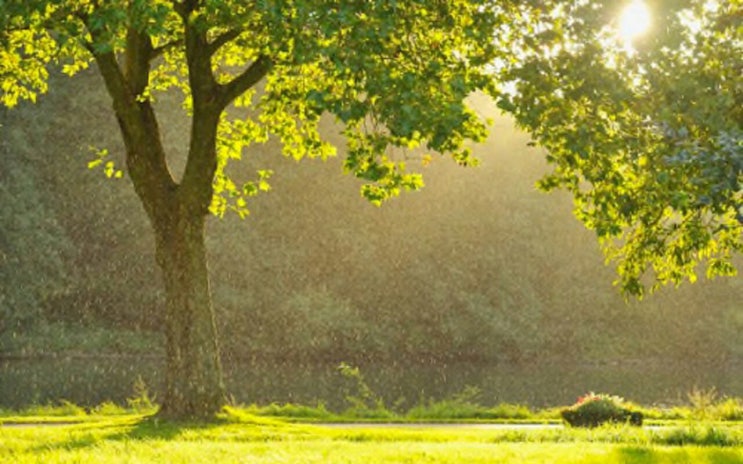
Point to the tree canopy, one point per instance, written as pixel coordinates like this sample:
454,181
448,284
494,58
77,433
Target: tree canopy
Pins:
377,66
648,139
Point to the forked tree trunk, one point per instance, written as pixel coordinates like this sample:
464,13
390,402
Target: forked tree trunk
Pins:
177,211
194,385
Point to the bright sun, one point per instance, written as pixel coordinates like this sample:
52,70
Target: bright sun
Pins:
634,21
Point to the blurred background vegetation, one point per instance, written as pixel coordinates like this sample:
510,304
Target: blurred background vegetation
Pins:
479,266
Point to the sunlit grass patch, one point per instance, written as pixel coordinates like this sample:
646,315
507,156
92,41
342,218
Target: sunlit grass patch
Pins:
244,437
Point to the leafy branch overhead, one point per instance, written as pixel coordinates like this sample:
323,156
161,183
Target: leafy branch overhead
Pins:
307,55
648,139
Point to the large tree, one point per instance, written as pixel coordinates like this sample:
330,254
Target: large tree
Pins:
659,176
394,73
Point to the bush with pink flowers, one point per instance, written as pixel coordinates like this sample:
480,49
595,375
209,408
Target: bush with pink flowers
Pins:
593,410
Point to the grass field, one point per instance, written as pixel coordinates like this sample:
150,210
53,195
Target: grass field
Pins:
243,438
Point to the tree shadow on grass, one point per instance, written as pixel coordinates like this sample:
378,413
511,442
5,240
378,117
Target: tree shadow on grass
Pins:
702,455
153,428
148,428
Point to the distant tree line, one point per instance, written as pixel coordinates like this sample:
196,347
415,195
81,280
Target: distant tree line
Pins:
480,266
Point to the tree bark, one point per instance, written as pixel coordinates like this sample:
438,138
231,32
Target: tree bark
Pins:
194,385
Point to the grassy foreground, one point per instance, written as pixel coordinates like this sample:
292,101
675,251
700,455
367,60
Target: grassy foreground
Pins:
243,438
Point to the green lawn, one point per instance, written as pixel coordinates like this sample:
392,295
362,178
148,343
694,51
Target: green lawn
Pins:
252,439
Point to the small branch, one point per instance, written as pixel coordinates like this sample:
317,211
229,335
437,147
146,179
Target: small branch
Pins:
158,51
222,39
245,81
137,60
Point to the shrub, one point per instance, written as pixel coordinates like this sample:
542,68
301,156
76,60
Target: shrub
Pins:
109,408
730,409
461,406
593,410
142,401
364,402
464,405
702,402
707,405
511,411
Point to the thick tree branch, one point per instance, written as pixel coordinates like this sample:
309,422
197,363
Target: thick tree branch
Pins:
145,156
112,75
200,74
251,76
158,51
222,39
196,185
137,62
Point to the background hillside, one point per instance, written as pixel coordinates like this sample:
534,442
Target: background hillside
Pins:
477,266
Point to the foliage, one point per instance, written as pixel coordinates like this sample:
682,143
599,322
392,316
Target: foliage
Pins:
307,51
593,410
730,409
293,411
33,245
494,321
142,401
317,323
460,408
648,139
483,287
634,130
104,248
63,408
701,402
464,406
707,405
702,436
108,408
49,338
363,402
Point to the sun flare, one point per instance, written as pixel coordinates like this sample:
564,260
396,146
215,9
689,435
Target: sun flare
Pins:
634,21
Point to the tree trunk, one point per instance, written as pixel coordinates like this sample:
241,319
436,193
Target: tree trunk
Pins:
194,385
177,211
